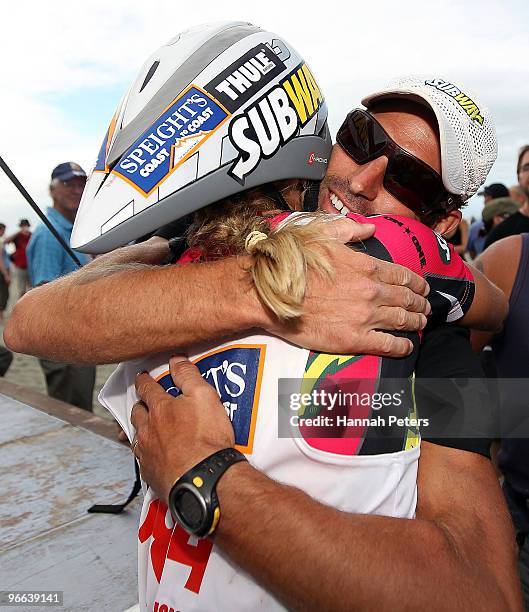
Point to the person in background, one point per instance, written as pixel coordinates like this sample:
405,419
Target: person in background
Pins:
519,222
506,263
496,212
47,260
6,357
493,192
19,270
516,194
5,277
476,237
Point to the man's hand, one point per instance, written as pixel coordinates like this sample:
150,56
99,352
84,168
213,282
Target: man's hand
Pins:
175,433
345,314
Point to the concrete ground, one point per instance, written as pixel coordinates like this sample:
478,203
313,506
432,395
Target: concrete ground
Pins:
58,460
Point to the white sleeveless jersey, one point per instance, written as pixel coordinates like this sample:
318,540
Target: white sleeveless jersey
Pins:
179,572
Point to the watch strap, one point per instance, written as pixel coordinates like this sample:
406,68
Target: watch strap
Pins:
202,480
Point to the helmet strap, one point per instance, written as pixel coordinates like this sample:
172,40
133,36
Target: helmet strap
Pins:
310,197
274,194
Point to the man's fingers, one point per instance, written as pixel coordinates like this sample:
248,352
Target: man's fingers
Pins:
139,415
395,274
394,295
186,376
394,317
346,230
381,343
149,390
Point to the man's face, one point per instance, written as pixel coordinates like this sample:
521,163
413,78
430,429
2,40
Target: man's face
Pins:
67,194
523,175
360,187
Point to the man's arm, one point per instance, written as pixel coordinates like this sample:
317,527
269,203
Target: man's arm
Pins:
110,311
458,554
499,263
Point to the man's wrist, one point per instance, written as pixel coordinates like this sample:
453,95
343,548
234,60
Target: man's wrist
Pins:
193,499
232,481
200,453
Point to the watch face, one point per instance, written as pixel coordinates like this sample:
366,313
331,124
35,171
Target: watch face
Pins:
190,508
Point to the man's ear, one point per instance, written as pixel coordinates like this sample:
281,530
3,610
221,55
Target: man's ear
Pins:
447,226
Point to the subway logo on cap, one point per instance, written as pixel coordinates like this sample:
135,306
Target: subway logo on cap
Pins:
466,103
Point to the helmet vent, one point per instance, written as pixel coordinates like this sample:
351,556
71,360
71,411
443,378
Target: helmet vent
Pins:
149,75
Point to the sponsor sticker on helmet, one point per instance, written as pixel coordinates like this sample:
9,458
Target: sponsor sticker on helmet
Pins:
313,158
179,131
273,120
235,85
235,372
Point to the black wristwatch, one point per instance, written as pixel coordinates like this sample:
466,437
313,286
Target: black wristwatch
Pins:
193,500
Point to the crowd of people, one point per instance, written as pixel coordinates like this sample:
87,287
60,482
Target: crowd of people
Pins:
267,287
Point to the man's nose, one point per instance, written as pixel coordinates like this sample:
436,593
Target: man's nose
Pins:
368,178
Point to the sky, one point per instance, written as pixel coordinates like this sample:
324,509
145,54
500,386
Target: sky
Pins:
66,65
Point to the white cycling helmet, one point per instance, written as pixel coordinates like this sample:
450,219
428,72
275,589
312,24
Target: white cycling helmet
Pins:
219,109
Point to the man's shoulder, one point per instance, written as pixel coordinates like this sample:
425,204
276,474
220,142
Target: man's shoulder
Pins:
41,232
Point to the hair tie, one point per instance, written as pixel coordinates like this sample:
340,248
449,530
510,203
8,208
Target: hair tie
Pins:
253,238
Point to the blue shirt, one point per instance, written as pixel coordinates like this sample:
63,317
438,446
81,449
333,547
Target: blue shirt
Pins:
47,259
476,242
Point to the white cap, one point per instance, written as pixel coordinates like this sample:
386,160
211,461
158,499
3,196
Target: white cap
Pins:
468,136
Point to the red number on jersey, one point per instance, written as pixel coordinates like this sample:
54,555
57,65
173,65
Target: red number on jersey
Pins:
173,544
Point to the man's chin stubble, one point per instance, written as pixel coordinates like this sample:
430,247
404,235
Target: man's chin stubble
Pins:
354,203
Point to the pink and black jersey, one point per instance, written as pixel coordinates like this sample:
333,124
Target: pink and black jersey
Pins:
410,243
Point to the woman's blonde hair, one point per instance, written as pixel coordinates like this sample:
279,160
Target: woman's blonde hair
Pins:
281,256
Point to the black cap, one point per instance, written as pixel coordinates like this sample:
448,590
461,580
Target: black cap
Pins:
67,171
495,190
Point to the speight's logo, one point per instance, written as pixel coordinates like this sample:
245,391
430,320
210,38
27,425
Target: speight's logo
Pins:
235,372
467,104
173,138
273,120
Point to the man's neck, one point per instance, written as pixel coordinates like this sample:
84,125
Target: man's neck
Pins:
67,214
525,209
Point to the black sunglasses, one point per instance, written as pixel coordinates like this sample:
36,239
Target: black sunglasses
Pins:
419,187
